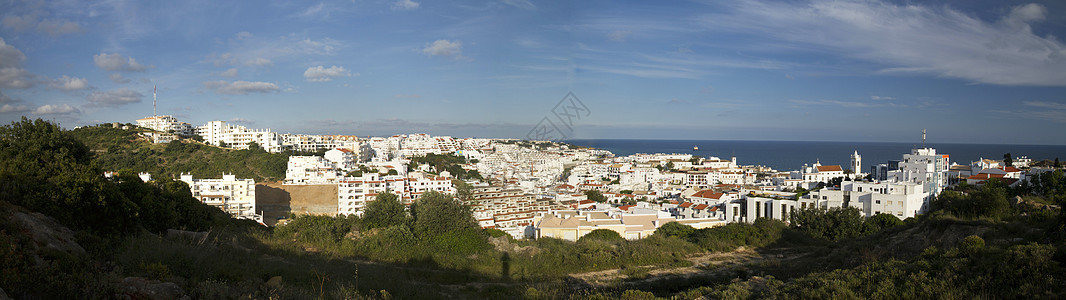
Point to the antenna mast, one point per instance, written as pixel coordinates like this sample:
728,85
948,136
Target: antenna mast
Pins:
923,137
154,88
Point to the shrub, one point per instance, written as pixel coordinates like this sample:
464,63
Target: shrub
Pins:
971,244
675,229
606,235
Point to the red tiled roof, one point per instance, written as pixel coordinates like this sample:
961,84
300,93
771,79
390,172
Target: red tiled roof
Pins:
984,176
626,207
700,207
686,204
710,194
833,168
1011,169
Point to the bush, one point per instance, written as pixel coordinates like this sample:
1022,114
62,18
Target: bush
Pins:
386,210
605,235
971,244
675,229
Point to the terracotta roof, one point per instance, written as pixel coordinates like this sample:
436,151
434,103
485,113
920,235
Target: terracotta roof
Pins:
710,194
686,204
700,207
1010,169
833,168
984,176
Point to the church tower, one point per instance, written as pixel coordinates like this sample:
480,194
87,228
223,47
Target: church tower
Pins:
856,163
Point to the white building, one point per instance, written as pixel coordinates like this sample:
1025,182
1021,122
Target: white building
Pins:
234,196
342,158
923,166
166,124
900,199
353,193
239,137
311,170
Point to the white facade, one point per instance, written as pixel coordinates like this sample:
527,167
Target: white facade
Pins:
342,158
234,196
311,170
353,193
923,166
166,124
239,137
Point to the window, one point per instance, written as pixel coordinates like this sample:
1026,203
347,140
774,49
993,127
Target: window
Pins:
877,202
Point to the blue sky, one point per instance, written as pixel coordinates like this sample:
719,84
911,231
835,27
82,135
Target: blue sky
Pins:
968,71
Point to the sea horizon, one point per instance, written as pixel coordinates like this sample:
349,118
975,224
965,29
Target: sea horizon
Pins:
791,155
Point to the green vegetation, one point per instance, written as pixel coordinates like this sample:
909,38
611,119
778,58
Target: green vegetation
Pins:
990,241
448,162
116,149
595,195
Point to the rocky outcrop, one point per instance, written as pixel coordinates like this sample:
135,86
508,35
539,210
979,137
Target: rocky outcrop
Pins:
140,288
44,231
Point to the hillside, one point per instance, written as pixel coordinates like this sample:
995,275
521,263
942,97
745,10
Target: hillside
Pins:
68,232
117,149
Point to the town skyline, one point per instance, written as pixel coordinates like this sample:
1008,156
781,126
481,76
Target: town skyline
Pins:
969,71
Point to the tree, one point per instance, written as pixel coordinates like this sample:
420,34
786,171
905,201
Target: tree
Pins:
254,147
595,195
464,191
392,172
628,192
1057,165
881,222
695,160
1007,160
670,166
386,210
443,222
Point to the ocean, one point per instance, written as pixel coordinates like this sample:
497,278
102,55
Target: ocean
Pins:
791,155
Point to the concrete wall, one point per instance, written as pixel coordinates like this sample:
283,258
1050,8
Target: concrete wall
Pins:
277,200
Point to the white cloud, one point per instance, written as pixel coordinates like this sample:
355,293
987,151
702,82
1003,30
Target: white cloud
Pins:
407,96
12,75
116,62
619,35
259,62
15,78
232,72
322,74
523,4
114,98
1044,104
242,120
243,35
19,23
68,83
52,27
882,98
58,27
313,10
912,38
444,48
8,108
405,5
57,109
241,87
117,78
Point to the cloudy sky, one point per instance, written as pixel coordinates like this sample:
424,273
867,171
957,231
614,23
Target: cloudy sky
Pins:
969,71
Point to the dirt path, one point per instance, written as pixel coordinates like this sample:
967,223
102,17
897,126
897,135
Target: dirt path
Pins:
702,264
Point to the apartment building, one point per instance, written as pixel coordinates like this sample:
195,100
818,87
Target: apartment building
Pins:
234,196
